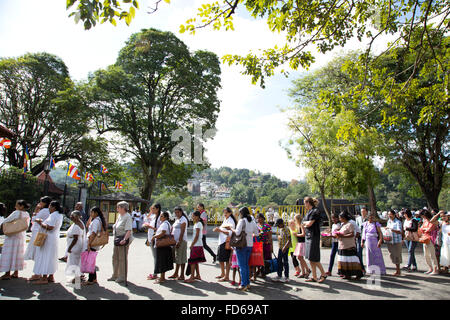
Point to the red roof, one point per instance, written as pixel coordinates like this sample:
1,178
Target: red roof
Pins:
52,188
5,132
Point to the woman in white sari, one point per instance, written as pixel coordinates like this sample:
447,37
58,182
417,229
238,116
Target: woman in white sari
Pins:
14,247
76,243
41,212
46,256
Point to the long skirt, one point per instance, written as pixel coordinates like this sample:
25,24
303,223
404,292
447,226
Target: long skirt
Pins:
164,260
445,255
12,258
197,255
374,256
348,263
267,252
31,249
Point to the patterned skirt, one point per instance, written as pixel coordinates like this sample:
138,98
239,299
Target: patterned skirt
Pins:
197,255
348,263
234,263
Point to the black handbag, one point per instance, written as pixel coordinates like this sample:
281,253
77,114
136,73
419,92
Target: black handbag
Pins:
117,240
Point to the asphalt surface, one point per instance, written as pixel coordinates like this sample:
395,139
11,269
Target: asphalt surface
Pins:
409,286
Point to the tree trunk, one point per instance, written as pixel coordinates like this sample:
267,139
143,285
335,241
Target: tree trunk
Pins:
325,206
150,182
372,199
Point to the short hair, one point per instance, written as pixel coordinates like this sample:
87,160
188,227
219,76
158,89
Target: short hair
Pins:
46,200
312,201
262,216
76,213
123,205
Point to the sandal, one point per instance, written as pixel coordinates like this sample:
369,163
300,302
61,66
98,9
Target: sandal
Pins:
223,280
34,278
218,277
311,280
190,280
159,281
173,277
5,278
322,279
41,281
180,278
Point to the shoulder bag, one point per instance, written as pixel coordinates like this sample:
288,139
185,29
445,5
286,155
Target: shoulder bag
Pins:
166,241
101,239
16,226
40,238
239,241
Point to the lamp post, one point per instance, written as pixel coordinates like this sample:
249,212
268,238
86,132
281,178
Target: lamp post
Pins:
82,195
46,170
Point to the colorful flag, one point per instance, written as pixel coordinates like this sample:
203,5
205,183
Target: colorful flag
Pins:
103,169
118,185
52,163
6,143
25,160
89,177
72,172
102,185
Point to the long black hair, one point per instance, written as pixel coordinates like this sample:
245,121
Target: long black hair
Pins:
47,200
157,206
24,204
182,213
2,209
55,204
245,213
198,214
100,215
228,209
346,215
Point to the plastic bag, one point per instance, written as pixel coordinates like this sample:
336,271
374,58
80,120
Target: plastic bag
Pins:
256,257
387,234
88,261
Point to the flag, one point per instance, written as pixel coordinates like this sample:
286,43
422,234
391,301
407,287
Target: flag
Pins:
102,185
118,185
89,177
25,160
52,163
103,169
72,172
6,143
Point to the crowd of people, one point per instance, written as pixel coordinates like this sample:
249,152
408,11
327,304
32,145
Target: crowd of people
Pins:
245,243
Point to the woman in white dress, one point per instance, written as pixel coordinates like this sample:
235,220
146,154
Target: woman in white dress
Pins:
46,256
14,246
41,212
445,249
224,255
76,243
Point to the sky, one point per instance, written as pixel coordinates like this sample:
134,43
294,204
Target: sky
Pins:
250,125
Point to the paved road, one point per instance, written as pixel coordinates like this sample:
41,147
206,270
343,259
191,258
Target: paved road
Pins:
409,286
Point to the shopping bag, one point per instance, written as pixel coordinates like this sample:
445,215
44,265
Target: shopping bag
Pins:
270,265
40,239
387,234
256,257
88,261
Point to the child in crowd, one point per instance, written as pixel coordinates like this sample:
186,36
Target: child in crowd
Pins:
235,267
299,251
293,231
284,242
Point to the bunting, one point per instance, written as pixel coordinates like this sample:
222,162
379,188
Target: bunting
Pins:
5,143
72,172
103,169
25,160
52,163
118,185
89,177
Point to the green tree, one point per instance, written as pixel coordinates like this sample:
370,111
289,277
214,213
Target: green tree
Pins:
46,111
155,87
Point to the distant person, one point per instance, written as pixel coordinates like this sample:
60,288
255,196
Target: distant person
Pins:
264,236
334,241
224,254
411,228
348,261
12,257
84,215
46,256
96,224
371,240
76,243
270,216
426,230
445,248
164,255
197,254
179,232
154,222
299,251
284,243
204,217
311,222
41,212
293,232
395,246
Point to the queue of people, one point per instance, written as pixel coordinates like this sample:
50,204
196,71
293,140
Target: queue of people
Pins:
244,244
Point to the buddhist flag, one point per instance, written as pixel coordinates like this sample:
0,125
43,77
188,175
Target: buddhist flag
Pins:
118,185
72,172
25,160
52,163
103,169
89,177
5,143
102,185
